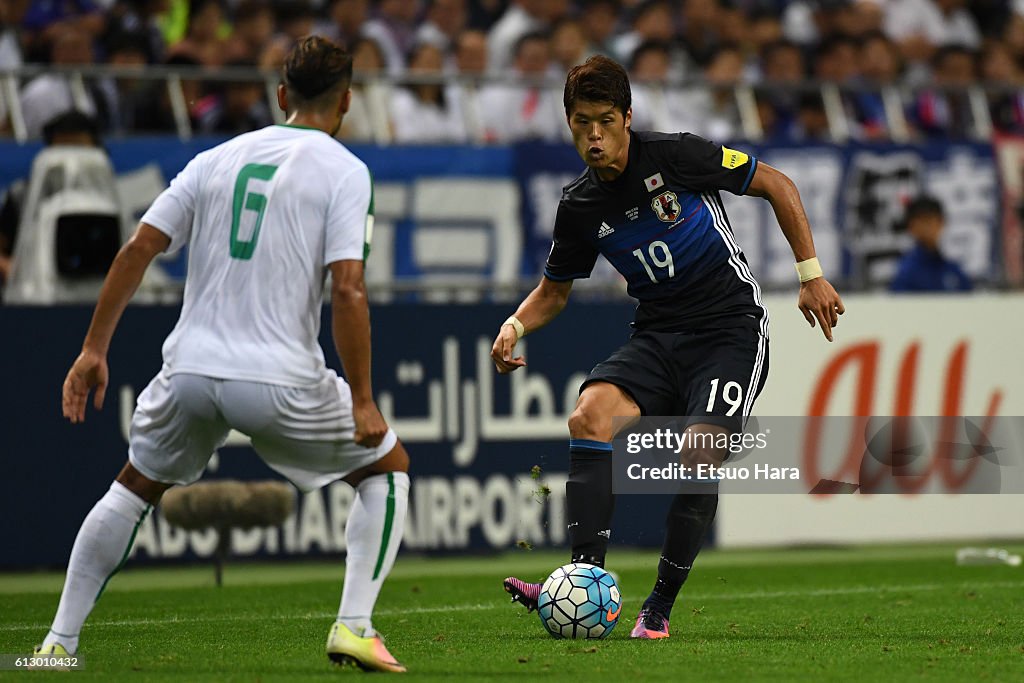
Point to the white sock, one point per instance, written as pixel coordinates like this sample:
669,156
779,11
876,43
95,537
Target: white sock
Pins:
373,534
100,549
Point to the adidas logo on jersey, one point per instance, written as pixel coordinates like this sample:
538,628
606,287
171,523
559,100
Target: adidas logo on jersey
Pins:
604,230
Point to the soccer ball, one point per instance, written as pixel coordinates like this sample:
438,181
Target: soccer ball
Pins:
579,601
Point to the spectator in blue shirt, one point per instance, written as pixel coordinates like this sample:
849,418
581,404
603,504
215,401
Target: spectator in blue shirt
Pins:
924,268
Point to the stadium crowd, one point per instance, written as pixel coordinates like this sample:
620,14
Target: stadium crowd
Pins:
783,49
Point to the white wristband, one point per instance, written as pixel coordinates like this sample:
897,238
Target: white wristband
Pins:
518,326
809,269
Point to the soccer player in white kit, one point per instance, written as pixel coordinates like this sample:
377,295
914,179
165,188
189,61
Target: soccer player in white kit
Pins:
266,216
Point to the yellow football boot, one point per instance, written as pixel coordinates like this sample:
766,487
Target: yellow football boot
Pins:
55,651
369,654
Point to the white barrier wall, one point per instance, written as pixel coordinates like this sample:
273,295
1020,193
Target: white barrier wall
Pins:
933,355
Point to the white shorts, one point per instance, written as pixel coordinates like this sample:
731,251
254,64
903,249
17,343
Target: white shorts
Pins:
305,433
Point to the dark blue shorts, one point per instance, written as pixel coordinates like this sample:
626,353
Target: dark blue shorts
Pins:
715,375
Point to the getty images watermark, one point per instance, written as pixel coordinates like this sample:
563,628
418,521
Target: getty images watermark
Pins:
682,443
820,455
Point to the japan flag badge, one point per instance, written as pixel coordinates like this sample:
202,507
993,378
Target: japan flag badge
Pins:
653,182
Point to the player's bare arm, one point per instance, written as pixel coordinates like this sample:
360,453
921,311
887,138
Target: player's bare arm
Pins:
350,326
818,298
90,368
538,309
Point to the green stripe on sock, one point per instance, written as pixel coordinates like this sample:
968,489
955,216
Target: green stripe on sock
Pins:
389,520
124,558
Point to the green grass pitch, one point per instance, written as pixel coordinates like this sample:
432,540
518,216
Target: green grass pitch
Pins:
878,613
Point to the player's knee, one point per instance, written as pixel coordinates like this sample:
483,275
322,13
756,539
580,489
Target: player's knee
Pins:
396,460
401,463
587,422
141,485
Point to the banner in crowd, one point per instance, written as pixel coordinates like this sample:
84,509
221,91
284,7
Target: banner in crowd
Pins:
476,437
486,213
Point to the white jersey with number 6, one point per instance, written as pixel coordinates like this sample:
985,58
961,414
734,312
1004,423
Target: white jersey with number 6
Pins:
263,215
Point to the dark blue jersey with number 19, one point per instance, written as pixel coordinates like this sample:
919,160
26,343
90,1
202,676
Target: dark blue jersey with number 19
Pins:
662,225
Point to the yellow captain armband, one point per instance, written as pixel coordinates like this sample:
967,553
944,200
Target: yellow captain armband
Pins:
809,269
518,326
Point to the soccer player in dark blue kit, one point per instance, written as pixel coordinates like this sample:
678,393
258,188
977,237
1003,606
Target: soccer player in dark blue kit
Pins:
649,202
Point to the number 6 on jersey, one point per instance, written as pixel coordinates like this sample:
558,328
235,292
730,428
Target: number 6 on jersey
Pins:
248,201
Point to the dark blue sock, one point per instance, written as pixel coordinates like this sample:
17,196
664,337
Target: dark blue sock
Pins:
663,597
589,500
687,524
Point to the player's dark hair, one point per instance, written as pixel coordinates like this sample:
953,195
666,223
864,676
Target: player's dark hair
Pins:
315,69
599,79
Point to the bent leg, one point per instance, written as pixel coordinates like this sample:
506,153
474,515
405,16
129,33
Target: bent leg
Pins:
100,549
707,361
306,434
175,429
588,492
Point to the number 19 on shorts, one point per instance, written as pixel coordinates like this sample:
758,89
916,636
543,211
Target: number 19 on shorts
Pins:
732,395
